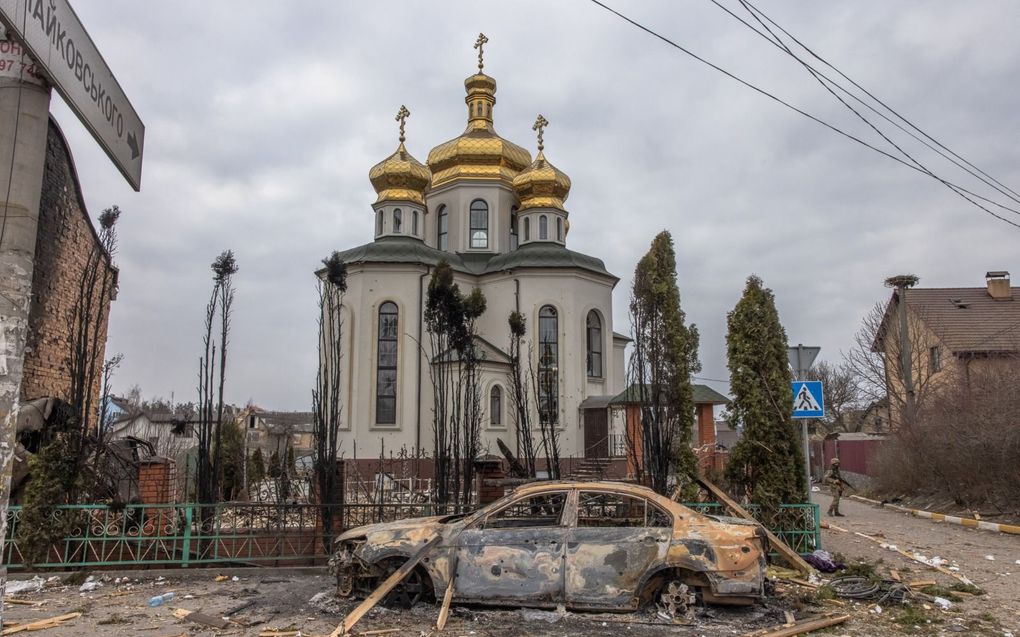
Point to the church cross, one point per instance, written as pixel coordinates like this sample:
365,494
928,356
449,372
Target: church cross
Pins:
401,117
539,126
479,43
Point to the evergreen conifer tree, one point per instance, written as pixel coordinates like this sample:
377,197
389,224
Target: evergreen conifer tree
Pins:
767,464
665,355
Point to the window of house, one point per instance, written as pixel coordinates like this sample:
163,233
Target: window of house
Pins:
414,223
548,364
479,222
378,222
559,228
543,228
527,229
386,366
618,510
934,359
544,509
496,406
442,229
398,219
594,334
513,228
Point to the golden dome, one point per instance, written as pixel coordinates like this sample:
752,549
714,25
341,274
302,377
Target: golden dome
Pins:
400,177
478,153
542,185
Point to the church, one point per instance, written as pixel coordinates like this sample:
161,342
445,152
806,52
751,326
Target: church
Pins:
499,218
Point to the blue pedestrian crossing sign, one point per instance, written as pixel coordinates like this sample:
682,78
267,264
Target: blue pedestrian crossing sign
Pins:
807,399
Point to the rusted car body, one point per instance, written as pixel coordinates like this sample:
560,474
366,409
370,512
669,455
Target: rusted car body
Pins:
586,545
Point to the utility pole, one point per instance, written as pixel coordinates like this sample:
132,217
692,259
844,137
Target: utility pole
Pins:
902,282
24,124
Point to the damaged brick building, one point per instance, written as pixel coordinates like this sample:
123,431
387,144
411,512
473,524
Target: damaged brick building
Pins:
66,239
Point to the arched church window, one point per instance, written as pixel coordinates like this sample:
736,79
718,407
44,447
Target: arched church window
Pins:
378,222
386,365
594,338
414,223
479,224
513,228
548,364
398,219
543,228
496,406
559,228
527,228
442,230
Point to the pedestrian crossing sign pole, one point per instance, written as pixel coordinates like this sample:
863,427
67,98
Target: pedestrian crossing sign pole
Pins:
807,399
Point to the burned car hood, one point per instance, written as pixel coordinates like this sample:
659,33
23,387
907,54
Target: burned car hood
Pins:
401,529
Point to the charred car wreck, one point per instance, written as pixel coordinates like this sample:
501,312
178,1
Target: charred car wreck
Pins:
586,545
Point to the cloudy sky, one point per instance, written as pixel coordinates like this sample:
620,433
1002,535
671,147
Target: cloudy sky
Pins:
263,118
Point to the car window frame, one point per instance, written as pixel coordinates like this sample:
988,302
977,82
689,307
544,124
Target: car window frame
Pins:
648,501
565,516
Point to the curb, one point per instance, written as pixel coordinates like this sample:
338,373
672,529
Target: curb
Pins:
970,523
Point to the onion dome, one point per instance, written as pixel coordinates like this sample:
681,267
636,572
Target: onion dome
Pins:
400,177
541,185
478,153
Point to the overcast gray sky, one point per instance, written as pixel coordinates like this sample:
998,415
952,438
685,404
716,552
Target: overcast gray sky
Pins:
263,118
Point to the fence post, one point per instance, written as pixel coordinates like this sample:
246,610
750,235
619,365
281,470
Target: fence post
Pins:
187,536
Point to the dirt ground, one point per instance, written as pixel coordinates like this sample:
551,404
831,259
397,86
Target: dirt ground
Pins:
296,599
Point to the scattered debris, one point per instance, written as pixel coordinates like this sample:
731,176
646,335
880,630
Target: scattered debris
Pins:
990,558
42,624
799,628
230,612
90,584
159,600
200,618
34,585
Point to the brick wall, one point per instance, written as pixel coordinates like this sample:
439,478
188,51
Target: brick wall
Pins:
65,241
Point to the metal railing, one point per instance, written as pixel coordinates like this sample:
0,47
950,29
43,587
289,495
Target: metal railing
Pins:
183,535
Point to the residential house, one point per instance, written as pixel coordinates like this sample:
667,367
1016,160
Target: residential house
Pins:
954,334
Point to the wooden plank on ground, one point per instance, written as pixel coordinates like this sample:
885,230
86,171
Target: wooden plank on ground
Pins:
50,622
800,628
789,555
200,618
378,594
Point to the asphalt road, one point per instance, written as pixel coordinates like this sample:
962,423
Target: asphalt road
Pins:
966,549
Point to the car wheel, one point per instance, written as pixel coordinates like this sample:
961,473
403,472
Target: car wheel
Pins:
676,598
406,594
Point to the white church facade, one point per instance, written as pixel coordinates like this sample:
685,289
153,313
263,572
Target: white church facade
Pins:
498,217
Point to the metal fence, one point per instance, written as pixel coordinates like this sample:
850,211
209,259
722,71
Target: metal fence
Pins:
183,535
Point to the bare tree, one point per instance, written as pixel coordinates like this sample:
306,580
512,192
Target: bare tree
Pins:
876,360
326,397
520,396
224,268
841,396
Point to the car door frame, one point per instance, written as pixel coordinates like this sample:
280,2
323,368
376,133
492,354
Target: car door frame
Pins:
518,566
596,558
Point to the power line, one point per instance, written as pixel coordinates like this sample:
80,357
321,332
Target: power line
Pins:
822,79
788,105
869,94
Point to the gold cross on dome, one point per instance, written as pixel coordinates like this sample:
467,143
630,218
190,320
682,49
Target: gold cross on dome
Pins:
539,126
479,43
401,117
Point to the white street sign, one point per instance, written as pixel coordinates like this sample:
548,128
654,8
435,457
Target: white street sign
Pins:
56,39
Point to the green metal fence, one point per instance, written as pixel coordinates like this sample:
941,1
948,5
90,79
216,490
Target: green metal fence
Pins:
182,535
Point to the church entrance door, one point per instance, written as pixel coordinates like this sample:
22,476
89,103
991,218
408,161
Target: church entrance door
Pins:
596,433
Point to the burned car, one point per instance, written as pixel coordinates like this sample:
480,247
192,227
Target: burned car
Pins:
586,545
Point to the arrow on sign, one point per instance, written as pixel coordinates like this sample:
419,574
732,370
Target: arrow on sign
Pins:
132,142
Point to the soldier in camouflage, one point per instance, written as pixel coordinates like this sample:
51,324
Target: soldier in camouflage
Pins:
836,482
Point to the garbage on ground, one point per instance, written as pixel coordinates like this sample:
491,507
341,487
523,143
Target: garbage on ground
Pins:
942,603
990,558
16,587
90,584
823,561
550,616
159,600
